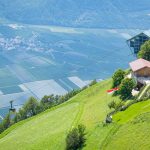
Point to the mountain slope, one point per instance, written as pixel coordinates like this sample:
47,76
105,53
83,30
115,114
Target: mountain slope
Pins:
48,130
134,128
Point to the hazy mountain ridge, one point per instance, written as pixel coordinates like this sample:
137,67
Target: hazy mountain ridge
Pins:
97,13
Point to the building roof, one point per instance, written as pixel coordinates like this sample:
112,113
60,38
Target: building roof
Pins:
146,33
139,64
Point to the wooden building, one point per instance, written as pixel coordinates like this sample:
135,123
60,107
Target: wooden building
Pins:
140,68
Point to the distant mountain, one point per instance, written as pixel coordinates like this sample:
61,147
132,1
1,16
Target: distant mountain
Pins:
79,13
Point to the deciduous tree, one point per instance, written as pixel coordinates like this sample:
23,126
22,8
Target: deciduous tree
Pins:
145,51
126,88
117,77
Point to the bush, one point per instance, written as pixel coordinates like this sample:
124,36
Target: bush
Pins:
117,77
48,101
126,88
112,104
116,105
69,95
31,107
145,51
6,122
76,138
1,127
119,105
21,114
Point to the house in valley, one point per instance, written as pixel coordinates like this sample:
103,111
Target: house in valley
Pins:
141,71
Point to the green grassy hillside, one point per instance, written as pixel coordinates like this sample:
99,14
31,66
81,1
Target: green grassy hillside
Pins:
48,130
133,128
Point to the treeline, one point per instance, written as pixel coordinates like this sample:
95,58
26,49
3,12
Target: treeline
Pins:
33,107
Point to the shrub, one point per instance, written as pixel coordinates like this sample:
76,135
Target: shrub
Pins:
31,107
117,77
6,122
69,95
1,127
116,105
76,138
48,101
112,104
126,88
119,106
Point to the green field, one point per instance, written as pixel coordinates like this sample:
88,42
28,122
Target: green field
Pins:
48,130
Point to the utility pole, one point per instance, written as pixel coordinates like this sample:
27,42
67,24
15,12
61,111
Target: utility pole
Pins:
11,106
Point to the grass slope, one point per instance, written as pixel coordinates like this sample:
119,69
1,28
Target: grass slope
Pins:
48,130
133,128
